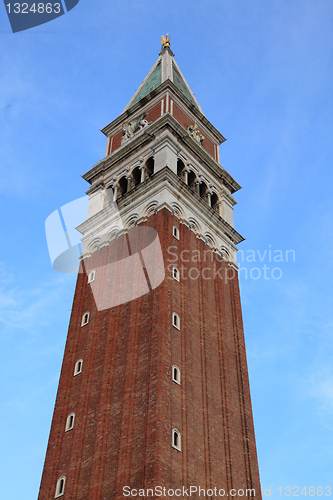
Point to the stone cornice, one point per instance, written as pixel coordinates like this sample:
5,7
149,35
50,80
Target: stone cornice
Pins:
147,135
168,84
228,197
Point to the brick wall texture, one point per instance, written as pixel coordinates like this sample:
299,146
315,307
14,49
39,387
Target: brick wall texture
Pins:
125,401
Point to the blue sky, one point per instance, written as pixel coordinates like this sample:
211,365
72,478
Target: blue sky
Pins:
262,72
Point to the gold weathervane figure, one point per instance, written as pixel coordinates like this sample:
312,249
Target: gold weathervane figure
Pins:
165,41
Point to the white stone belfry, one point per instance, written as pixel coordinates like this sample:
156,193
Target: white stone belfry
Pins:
162,152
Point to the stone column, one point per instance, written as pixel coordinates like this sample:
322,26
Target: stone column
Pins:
186,170
143,173
129,183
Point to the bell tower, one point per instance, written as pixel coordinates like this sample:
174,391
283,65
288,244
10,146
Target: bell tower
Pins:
154,390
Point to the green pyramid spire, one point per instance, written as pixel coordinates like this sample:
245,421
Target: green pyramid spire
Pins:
164,69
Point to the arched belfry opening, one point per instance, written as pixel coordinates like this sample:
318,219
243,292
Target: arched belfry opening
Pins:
122,186
180,168
214,202
136,175
150,164
203,190
191,179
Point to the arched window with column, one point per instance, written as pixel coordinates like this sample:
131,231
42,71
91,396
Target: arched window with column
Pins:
122,186
214,201
191,179
150,166
203,191
180,168
136,176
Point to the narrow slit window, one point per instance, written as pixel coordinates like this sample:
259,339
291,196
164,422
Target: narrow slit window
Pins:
70,422
176,374
91,276
78,367
85,319
60,488
175,273
176,439
175,232
175,321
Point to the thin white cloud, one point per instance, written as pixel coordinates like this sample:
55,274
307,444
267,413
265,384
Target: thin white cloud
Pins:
30,306
320,389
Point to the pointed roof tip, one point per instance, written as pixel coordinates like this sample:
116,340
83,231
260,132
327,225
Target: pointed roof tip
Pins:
166,50
164,69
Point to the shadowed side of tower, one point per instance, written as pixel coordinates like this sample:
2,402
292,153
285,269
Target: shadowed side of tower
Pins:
154,388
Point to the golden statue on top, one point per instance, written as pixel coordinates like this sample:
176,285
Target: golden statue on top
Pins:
165,41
